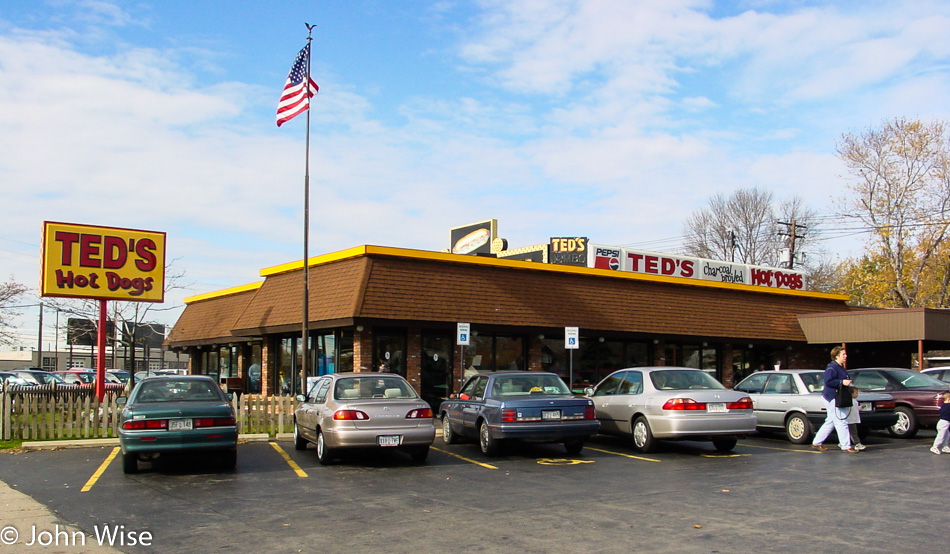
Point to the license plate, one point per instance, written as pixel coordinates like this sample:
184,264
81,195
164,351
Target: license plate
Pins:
388,440
179,425
866,406
716,407
550,414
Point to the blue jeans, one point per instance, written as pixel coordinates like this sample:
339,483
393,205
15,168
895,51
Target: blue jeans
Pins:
836,419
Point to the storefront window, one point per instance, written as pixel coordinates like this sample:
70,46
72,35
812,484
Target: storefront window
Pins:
346,351
509,353
253,377
326,352
597,360
389,350
286,375
494,352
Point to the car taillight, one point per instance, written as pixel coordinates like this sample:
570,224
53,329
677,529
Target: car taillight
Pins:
214,421
346,415
744,403
509,415
590,413
420,413
683,404
885,404
138,424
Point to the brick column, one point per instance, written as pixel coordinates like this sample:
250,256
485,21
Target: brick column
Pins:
413,359
268,366
362,350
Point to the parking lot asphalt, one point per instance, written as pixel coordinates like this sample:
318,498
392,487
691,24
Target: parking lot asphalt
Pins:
767,495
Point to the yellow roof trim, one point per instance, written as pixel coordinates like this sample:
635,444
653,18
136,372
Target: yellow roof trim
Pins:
367,250
224,292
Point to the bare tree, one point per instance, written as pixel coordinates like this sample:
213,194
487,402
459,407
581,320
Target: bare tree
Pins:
900,185
133,314
10,293
743,227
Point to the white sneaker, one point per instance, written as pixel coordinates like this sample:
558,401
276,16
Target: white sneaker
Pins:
945,449
860,446
935,450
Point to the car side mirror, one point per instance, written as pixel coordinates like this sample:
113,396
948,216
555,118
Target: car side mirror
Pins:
121,400
301,398
589,391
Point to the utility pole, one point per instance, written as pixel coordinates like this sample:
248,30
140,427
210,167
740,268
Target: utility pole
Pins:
792,233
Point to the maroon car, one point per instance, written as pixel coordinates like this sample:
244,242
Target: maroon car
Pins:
917,396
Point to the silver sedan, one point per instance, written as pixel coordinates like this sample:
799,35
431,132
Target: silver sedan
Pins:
677,403
363,410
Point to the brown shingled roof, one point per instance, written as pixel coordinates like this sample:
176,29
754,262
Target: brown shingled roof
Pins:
208,321
445,289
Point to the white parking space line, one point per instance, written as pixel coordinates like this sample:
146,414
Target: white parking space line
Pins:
293,465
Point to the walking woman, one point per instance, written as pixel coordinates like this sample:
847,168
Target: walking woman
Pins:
835,418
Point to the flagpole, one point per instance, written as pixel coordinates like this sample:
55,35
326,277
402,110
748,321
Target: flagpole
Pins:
305,328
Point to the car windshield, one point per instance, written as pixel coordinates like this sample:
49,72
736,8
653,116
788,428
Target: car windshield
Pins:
515,385
44,378
361,388
177,390
682,379
120,375
914,380
86,377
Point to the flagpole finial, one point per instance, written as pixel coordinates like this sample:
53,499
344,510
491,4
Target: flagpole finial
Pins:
309,28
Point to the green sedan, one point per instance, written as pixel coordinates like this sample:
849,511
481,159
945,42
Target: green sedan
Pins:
176,414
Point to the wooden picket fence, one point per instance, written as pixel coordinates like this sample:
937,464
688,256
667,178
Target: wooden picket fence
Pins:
72,412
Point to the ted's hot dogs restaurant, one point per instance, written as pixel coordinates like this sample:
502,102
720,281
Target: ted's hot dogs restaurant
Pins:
376,308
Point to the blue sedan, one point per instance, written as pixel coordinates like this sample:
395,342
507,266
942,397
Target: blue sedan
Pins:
530,406
176,414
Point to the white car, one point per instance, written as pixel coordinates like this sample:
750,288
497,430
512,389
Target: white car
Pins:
674,403
790,400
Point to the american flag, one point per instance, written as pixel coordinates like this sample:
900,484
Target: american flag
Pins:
294,100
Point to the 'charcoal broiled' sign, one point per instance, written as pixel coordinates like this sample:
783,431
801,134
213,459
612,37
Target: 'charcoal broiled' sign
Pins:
85,261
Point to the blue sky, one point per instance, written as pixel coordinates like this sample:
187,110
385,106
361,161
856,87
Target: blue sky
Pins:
611,119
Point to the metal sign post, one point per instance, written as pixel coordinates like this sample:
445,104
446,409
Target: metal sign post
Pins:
463,337
571,343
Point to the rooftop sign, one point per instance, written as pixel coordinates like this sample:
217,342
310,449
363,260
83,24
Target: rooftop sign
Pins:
85,261
655,263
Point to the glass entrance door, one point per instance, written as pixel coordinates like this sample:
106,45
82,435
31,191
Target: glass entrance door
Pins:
436,357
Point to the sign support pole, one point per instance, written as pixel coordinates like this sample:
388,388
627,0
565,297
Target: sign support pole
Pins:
101,353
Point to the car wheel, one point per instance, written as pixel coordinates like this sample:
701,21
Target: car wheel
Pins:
324,453
448,435
574,447
419,454
725,444
300,443
906,426
130,463
488,444
798,429
643,439
229,460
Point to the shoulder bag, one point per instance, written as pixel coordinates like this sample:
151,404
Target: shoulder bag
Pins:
843,398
